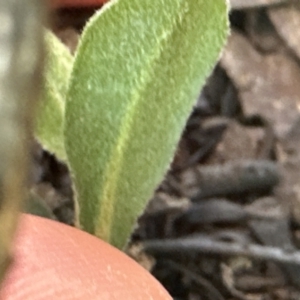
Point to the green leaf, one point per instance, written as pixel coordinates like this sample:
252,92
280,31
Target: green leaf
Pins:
138,70
51,108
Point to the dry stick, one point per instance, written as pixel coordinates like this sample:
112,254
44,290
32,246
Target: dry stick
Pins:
207,245
232,178
20,77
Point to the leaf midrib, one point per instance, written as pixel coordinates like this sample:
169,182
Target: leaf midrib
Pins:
108,197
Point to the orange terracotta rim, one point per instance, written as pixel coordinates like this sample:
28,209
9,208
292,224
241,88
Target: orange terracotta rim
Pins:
76,3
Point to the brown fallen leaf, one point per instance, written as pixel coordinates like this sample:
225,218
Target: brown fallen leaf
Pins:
268,84
286,20
289,157
237,141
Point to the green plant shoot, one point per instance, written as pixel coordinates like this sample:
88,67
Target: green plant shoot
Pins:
137,72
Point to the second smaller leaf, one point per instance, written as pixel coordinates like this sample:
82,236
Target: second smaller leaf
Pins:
51,108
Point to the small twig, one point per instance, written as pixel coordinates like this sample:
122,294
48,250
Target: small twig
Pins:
233,178
207,245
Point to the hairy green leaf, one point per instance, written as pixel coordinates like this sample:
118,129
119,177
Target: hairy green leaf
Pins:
51,108
138,70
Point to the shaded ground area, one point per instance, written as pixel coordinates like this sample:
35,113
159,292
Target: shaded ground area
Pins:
225,223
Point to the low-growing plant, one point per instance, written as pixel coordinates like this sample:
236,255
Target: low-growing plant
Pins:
115,112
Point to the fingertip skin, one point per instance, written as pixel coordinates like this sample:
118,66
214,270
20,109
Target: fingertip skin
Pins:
56,261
